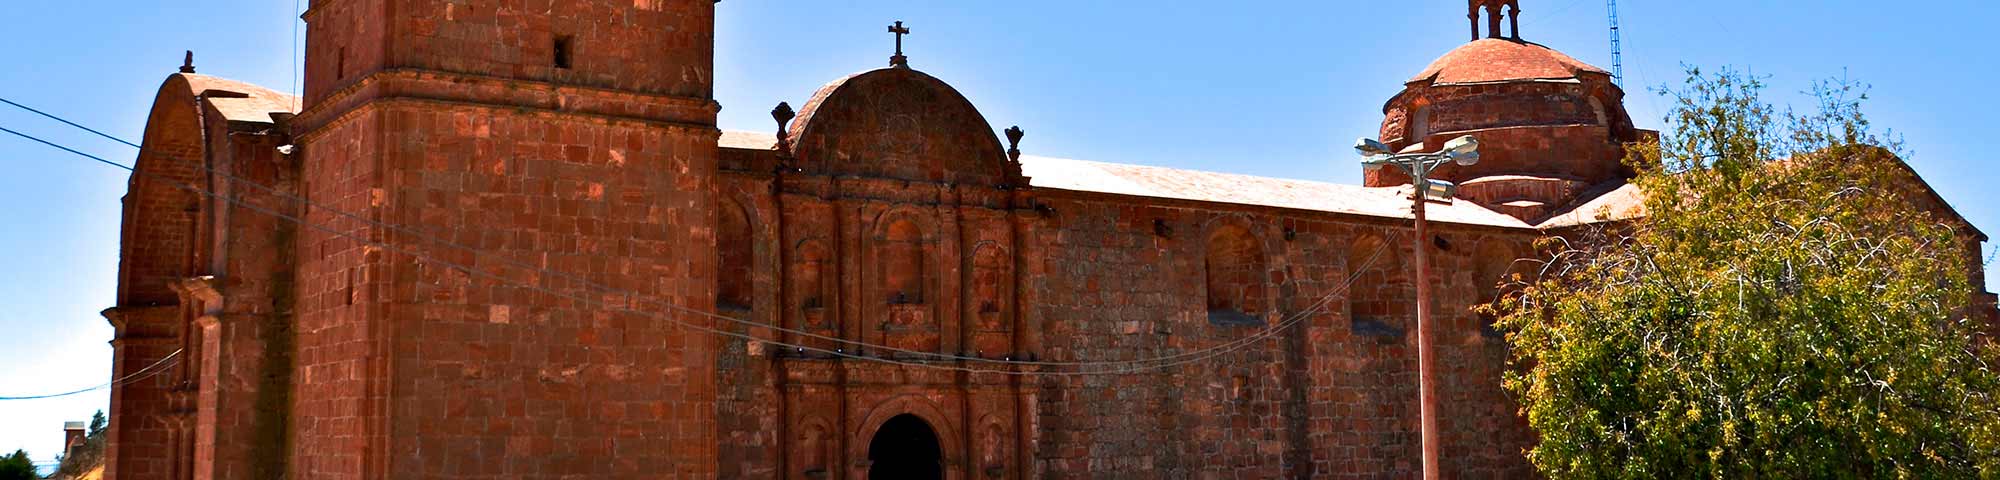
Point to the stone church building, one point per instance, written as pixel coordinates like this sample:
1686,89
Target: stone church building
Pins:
506,239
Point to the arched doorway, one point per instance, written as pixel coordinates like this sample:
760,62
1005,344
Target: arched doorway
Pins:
905,448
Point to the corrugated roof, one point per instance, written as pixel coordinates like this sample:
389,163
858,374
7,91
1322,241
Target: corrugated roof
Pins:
1196,185
1623,202
256,103
748,140
1173,183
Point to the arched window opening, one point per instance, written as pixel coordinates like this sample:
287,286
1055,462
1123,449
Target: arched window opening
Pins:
903,262
1236,277
1370,293
734,258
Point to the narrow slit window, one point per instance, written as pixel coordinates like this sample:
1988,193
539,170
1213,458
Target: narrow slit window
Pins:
340,64
565,46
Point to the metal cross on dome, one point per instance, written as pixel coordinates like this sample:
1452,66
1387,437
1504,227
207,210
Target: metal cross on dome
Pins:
898,60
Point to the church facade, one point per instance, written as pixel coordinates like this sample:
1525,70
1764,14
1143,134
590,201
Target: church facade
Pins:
494,241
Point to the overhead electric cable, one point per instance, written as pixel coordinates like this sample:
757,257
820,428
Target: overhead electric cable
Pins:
70,123
422,235
1203,354
133,377
633,295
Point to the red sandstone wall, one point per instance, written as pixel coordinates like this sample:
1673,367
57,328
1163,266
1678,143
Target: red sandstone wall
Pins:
646,46
337,421
345,40
244,327
825,257
148,423
456,119
471,377
1329,398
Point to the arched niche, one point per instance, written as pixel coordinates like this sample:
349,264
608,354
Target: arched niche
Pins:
990,286
812,284
1375,287
993,447
1236,275
735,257
902,263
816,448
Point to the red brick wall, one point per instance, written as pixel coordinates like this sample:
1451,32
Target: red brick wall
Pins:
345,40
453,118
148,422
544,386
663,47
244,318
159,221
816,266
1328,398
142,424
337,422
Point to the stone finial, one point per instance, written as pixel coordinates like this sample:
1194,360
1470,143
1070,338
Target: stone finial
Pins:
187,63
783,114
1014,134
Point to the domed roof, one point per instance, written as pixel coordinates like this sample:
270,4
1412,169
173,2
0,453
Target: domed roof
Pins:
896,123
1493,60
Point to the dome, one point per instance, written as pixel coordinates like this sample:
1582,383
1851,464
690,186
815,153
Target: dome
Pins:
1496,60
897,123
1548,126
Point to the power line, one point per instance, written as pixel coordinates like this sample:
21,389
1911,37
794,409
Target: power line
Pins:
129,378
1187,358
632,295
70,123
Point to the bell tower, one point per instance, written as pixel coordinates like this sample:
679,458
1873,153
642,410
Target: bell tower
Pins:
517,186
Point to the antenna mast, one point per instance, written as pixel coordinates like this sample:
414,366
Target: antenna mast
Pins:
1617,52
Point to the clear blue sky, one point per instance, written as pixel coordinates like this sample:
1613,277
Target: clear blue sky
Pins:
1277,88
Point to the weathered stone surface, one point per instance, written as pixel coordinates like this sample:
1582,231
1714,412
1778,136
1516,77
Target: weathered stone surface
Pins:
507,199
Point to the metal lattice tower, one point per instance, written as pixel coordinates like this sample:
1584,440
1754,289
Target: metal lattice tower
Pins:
1617,52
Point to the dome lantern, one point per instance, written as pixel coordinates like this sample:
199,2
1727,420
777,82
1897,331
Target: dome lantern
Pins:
1493,14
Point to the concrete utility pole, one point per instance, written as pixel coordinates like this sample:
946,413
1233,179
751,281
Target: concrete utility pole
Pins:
1465,151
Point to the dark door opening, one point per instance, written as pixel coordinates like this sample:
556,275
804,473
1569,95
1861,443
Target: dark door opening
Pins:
905,448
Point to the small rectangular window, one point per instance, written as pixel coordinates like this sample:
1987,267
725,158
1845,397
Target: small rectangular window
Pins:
564,47
340,64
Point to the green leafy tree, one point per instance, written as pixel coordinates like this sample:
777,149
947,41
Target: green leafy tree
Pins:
1784,310
17,467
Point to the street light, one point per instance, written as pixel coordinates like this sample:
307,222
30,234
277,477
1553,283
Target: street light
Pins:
1463,151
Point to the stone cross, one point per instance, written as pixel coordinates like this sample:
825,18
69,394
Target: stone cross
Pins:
899,60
